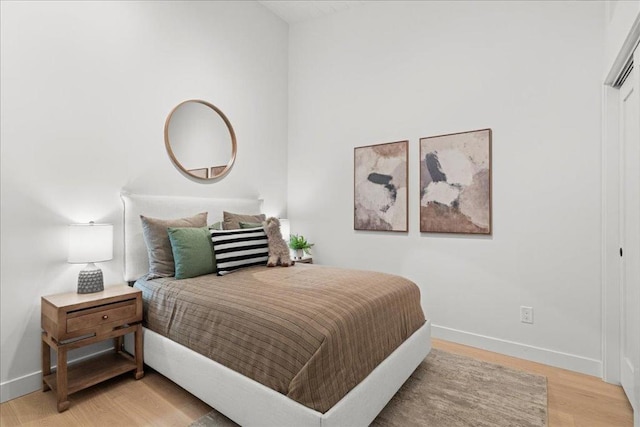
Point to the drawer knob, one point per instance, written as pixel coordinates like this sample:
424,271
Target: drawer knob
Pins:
105,317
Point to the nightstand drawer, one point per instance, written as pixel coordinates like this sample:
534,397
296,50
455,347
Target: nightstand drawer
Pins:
91,318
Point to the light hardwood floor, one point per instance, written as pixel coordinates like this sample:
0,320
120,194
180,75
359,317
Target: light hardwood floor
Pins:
574,400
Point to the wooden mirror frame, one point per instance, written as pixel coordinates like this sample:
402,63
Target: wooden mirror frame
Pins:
210,172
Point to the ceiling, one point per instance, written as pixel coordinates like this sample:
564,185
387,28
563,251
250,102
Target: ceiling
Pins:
297,11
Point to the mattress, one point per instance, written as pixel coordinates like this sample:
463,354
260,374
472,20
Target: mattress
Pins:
309,332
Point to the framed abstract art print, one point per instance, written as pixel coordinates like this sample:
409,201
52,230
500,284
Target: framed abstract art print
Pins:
455,183
380,187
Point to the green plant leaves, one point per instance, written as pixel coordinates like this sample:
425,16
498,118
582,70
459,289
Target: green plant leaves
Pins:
299,242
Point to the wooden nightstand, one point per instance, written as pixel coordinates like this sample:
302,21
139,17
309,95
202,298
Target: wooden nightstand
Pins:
305,260
73,320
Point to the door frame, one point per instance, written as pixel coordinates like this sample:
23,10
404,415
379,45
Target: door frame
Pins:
611,292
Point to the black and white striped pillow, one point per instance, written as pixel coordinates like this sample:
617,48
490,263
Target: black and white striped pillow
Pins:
236,249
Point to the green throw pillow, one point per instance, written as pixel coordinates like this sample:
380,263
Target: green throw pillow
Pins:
216,226
250,224
192,251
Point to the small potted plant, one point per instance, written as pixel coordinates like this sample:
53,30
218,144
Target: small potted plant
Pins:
300,245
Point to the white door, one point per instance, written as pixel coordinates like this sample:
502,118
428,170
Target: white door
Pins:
630,236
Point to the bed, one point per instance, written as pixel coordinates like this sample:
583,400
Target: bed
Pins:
245,400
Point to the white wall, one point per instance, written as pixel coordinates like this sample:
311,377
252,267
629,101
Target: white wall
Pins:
531,71
86,87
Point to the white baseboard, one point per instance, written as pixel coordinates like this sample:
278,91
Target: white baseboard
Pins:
32,382
558,359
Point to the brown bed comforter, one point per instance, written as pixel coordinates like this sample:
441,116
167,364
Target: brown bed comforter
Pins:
309,332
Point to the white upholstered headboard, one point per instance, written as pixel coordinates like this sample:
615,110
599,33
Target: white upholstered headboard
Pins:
136,261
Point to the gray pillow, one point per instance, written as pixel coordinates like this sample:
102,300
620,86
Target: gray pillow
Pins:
156,238
231,221
250,224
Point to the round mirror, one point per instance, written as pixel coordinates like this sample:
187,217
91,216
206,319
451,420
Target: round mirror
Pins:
200,139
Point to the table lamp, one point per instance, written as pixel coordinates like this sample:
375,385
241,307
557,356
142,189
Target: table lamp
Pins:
285,229
90,243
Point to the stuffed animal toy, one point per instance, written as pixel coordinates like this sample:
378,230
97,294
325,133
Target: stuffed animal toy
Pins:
278,249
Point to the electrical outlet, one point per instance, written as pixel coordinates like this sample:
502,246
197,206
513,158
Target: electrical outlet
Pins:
526,314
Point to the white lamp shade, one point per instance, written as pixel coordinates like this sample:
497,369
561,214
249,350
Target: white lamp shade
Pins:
285,229
90,243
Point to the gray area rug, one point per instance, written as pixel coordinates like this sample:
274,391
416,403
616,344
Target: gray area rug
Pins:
449,390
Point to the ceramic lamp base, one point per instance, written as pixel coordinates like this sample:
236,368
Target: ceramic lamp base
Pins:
90,281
